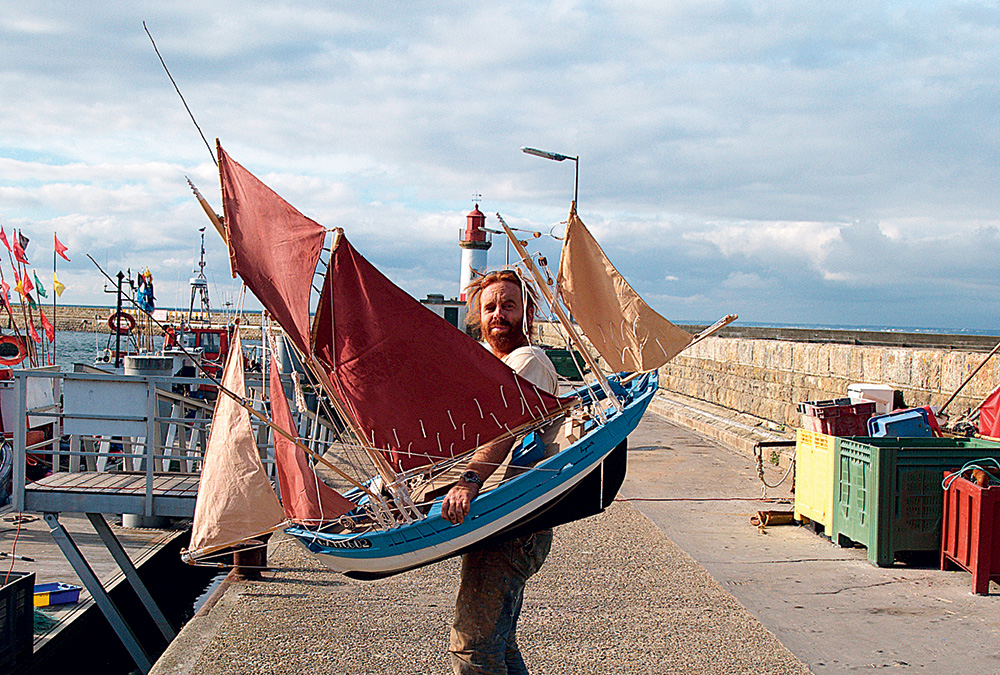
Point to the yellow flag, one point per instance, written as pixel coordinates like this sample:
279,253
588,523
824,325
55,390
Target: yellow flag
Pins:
59,288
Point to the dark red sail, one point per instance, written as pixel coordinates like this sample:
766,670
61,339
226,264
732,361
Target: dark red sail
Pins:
418,388
272,247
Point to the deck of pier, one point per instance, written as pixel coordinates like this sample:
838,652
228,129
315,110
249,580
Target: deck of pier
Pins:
671,579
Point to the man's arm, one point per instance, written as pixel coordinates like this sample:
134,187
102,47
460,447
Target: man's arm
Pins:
456,504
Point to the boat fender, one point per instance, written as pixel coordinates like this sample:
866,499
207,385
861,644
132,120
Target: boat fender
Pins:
116,320
12,350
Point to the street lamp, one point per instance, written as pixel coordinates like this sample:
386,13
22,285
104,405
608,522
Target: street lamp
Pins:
555,156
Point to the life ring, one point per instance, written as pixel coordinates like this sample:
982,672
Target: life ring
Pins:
12,350
117,318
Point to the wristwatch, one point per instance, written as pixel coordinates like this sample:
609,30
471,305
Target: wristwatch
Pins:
473,477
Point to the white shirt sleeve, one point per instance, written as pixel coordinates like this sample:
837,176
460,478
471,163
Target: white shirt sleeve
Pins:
531,363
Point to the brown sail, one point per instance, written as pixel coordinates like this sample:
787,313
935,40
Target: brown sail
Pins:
626,331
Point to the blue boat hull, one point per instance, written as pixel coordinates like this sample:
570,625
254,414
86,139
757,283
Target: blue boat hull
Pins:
577,482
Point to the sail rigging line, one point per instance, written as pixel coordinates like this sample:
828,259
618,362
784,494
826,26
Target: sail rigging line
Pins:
570,345
172,81
563,318
242,402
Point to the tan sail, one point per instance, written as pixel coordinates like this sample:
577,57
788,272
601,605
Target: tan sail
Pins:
235,499
624,330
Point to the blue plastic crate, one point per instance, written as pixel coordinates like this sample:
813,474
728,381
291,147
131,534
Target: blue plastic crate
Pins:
901,424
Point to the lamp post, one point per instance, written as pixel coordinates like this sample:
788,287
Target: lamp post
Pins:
555,156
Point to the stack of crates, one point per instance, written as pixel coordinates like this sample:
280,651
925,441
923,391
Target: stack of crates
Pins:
837,417
887,491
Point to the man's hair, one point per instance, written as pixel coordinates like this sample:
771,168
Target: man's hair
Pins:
474,291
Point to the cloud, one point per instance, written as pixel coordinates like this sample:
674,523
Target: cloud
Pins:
789,162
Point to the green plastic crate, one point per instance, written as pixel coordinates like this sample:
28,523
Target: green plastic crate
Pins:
887,491
563,359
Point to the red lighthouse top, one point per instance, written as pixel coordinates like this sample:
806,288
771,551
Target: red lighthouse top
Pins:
474,223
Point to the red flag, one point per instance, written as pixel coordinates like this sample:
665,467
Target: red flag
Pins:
19,252
50,331
989,415
34,333
60,248
305,498
3,238
28,286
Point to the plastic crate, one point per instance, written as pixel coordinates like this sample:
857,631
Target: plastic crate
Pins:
887,491
563,361
17,616
912,423
839,417
970,531
814,454
56,593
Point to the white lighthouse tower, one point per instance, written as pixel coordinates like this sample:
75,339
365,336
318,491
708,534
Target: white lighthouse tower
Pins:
475,242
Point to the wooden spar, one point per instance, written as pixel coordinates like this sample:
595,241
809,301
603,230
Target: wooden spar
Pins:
561,314
971,375
191,557
714,328
209,211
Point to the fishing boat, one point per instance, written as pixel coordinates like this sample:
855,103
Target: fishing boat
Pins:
417,397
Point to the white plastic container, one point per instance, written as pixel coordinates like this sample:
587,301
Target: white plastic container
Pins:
882,394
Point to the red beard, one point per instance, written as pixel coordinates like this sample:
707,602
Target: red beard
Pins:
506,342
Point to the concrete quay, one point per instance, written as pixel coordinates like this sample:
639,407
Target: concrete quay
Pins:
672,579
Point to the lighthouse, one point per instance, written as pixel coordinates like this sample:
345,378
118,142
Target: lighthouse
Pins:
475,242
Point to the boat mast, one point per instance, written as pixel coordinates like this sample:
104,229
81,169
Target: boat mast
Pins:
199,285
561,314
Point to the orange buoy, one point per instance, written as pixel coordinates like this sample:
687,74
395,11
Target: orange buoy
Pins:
12,350
116,320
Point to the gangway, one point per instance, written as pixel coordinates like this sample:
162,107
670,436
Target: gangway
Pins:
118,444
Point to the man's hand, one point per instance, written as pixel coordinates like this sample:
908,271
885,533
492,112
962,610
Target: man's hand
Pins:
455,505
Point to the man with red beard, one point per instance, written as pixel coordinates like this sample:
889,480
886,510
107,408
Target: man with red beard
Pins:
491,588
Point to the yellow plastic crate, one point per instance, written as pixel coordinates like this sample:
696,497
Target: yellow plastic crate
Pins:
814,456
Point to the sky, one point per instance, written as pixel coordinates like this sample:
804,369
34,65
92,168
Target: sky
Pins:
790,162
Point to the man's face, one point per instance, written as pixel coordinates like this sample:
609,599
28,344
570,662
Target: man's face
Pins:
501,311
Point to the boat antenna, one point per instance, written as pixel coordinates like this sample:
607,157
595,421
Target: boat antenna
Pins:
190,114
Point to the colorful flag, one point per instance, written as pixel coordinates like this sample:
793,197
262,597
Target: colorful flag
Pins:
60,249
21,239
19,253
5,298
50,330
28,286
19,287
3,238
38,285
57,285
34,333
31,300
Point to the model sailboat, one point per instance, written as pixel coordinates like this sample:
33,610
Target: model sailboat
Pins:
419,396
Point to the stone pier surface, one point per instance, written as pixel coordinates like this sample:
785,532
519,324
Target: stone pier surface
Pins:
615,596
673,578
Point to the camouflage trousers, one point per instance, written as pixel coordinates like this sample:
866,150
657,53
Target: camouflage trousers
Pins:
490,593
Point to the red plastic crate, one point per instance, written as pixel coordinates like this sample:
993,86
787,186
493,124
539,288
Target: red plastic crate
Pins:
970,531
837,418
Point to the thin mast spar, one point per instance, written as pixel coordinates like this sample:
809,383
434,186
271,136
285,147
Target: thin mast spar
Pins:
561,314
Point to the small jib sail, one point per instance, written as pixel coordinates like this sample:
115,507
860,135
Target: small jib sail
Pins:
235,499
305,498
272,247
418,388
624,330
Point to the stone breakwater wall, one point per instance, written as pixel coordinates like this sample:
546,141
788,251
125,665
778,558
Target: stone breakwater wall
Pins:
767,377
96,318
764,372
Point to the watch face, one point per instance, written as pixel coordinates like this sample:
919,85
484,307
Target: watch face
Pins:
472,477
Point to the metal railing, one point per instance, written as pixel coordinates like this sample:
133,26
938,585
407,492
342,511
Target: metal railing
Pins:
88,424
